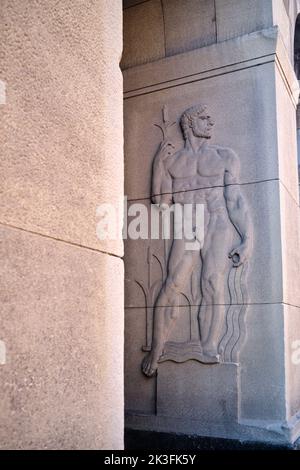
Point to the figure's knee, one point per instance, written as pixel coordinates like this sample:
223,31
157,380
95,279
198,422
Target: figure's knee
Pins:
171,290
212,285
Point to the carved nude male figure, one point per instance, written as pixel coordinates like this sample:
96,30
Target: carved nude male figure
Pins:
177,178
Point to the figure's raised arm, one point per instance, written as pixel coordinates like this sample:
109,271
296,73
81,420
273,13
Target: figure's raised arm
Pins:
237,208
161,192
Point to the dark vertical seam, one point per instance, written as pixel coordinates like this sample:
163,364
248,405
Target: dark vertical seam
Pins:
135,4
216,28
163,18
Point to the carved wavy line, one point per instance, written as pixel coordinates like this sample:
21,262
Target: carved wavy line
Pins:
240,291
235,333
242,323
234,349
237,317
227,334
235,314
241,317
175,358
227,355
236,327
234,285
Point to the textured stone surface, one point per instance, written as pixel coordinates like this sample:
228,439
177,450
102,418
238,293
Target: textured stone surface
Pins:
249,85
61,129
189,24
233,115
286,137
145,400
192,24
263,200
285,24
239,17
262,372
132,3
290,227
216,59
152,440
61,155
192,390
62,384
292,351
143,34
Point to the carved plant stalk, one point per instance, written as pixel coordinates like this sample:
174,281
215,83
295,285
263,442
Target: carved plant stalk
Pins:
166,124
150,292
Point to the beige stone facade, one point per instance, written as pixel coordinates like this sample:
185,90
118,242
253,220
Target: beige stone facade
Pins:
237,57
61,156
66,377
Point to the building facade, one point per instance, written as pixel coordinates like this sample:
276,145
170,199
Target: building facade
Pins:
206,110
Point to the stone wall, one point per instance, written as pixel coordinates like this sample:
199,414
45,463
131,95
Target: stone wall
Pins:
154,29
235,57
61,156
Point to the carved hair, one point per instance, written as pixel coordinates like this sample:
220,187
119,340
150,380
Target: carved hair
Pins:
187,117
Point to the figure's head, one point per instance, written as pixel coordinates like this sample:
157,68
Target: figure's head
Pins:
197,121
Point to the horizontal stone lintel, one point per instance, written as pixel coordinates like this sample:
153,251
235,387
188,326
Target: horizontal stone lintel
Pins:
226,57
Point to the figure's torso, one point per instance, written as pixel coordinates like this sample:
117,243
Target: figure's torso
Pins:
192,171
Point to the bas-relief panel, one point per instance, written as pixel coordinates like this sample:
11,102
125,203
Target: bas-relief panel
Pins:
204,277
179,329
246,109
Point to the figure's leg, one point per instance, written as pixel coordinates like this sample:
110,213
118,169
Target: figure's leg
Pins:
215,266
181,264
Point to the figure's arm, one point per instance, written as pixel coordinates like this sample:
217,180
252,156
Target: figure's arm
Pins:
237,209
161,178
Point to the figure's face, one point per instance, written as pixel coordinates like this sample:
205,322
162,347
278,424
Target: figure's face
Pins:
202,126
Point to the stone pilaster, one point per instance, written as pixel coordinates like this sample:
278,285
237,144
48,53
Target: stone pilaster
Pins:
62,289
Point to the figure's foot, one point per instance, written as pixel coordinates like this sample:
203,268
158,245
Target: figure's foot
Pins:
211,353
149,365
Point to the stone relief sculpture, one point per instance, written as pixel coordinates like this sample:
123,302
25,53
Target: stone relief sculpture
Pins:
200,173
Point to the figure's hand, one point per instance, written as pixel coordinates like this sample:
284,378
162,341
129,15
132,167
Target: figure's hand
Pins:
162,201
165,149
239,255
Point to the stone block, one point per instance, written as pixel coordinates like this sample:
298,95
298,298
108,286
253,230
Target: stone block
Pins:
140,392
62,381
237,53
286,137
290,229
232,112
262,366
239,17
208,393
61,127
189,24
292,358
263,201
143,34
191,394
285,24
